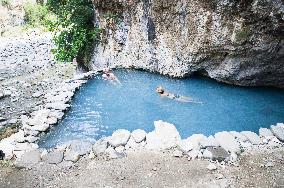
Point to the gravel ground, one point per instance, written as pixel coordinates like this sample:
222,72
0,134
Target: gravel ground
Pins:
146,169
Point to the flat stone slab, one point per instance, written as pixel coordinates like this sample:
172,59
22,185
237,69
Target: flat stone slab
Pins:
278,131
252,137
28,159
228,142
81,147
216,153
53,157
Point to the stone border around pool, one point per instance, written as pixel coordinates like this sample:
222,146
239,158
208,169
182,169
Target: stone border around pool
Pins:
21,147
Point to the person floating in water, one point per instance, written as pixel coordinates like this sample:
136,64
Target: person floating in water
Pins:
172,96
108,75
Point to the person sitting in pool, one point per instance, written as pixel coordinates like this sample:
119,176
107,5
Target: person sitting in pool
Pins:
176,97
108,75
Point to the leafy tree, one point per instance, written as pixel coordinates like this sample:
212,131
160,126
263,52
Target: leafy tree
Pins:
75,32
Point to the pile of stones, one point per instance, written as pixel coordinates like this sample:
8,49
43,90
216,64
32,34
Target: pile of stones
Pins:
56,103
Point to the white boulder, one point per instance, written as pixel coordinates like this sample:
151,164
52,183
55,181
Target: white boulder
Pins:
185,145
195,140
264,132
164,136
228,142
278,131
239,136
252,137
119,138
138,135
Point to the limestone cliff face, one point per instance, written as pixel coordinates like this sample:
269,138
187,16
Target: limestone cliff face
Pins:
233,41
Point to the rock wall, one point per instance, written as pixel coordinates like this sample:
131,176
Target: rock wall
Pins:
234,41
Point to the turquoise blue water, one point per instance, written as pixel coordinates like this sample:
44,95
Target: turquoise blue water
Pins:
100,107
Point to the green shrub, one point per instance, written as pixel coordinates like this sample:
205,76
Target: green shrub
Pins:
5,3
35,14
74,28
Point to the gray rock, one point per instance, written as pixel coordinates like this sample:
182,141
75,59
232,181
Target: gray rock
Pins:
228,142
119,138
51,120
112,154
71,156
37,94
53,157
209,142
212,167
252,137
177,153
100,147
269,164
28,159
81,147
278,131
138,135
264,132
57,106
216,154
193,154
40,127
31,139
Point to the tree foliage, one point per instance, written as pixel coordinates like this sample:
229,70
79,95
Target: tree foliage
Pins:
74,29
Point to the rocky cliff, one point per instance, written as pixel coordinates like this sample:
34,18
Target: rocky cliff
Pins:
233,41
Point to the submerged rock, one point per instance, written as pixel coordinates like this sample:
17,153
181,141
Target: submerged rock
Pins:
119,138
164,136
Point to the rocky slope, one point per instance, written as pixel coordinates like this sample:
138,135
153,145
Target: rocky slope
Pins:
233,41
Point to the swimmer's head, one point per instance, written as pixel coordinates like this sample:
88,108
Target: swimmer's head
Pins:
160,90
